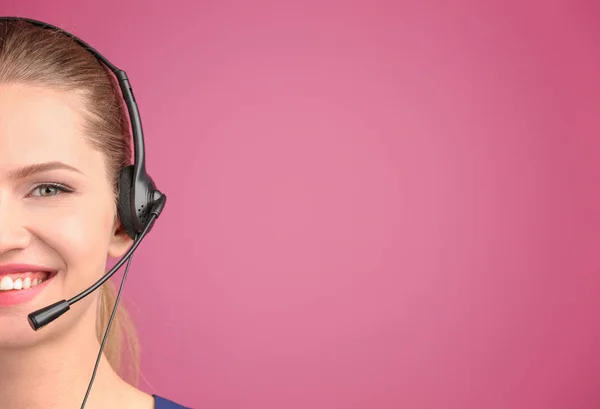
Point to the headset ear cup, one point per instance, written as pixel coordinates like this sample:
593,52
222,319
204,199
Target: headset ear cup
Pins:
124,201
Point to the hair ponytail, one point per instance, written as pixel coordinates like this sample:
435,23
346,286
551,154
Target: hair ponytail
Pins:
122,346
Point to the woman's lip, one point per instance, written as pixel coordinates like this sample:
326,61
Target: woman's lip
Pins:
24,268
16,297
45,275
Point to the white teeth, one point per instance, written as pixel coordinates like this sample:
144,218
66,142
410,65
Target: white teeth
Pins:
6,283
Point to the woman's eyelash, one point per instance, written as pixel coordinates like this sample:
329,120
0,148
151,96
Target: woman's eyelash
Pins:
52,186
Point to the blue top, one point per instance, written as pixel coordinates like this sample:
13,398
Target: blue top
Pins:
162,403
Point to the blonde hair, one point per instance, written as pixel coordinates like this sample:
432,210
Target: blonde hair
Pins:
42,57
121,339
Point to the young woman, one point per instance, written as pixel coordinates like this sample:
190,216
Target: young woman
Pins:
64,137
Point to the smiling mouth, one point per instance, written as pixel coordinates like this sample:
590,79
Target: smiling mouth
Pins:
23,281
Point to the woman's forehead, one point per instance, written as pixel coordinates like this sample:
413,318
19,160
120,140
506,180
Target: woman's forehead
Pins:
39,125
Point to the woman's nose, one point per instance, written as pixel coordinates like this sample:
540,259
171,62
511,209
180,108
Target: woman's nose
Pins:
13,234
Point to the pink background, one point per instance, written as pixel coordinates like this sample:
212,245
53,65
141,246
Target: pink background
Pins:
371,205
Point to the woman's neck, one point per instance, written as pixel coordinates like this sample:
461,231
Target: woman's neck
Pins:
56,375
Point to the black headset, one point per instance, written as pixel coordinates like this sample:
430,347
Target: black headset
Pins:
137,191
139,204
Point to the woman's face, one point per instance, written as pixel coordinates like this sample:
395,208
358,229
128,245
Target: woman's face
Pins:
57,213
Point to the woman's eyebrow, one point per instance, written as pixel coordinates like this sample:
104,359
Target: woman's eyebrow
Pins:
30,170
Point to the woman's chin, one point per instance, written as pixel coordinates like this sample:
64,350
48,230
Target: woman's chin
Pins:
16,305
21,335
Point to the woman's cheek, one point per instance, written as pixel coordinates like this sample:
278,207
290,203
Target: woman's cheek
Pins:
75,231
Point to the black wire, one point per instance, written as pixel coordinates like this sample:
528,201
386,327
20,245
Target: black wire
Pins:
112,316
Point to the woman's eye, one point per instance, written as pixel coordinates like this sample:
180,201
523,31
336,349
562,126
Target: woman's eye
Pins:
47,190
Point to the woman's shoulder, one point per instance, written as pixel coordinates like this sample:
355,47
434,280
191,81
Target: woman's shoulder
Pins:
164,403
